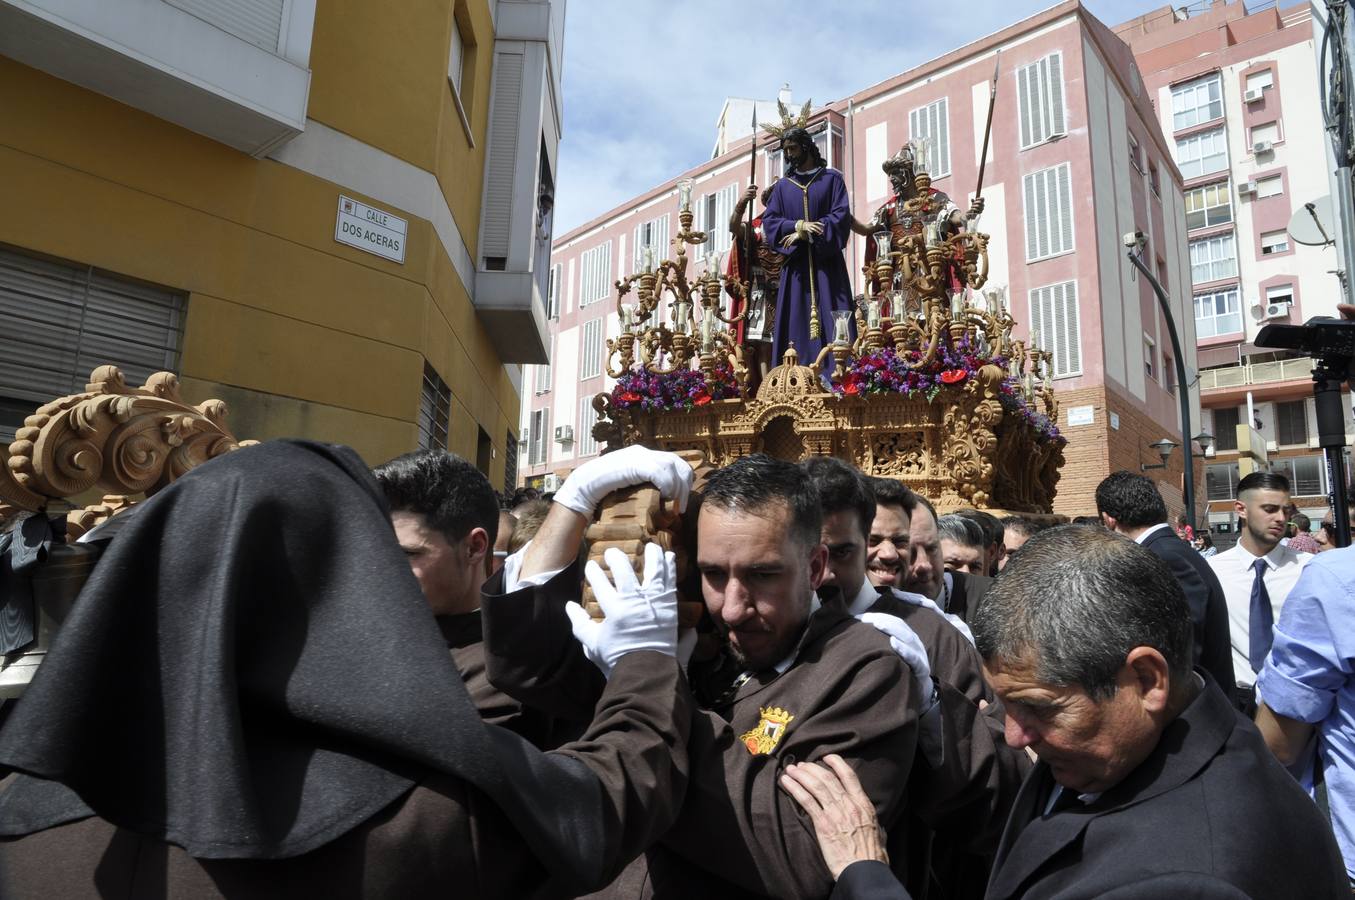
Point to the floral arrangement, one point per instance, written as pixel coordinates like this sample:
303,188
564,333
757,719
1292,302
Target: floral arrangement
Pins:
886,371
684,389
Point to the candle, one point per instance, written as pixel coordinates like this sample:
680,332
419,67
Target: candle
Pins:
708,330
685,194
956,305
932,234
628,318
992,302
1035,339
683,311
873,314
840,333
648,263
882,249
713,265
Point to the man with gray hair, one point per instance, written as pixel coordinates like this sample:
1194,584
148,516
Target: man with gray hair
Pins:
1148,784
964,547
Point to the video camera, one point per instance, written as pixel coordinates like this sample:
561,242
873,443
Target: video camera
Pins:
1331,344
1330,341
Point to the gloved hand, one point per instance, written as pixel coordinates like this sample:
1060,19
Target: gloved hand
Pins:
907,645
585,487
638,616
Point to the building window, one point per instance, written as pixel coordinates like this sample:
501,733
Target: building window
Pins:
62,321
588,417
1135,159
1053,314
1220,481
1162,273
776,166
1270,186
1197,101
1202,154
1154,181
553,293
1149,357
1213,258
537,438
1209,205
590,366
1049,212
456,59
1305,474
1281,293
1218,313
1291,423
1039,89
595,267
713,213
1274,242
435,410
543,372
651,236
1260,81
510,463
1226,420
1169,373
930,124
1267,133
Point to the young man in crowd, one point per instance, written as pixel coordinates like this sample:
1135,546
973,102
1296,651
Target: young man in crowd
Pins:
1257,574
1016,530
964,546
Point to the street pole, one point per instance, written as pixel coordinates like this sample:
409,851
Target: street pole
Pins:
1182,386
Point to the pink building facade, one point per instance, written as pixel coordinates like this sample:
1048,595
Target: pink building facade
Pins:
1237,93
1077,159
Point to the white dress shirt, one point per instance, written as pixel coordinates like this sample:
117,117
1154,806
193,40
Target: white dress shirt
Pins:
1234,570
1149,532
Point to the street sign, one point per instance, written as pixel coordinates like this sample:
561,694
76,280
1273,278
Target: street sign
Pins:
1081,415
371,229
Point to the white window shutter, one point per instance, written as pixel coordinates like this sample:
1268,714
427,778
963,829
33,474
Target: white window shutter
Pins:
1032,217
1023,87
1063,174
504,117
1054,93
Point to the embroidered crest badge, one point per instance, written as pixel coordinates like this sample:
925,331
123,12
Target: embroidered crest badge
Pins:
763,739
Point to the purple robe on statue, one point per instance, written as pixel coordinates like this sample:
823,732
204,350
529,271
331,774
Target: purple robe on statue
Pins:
815,269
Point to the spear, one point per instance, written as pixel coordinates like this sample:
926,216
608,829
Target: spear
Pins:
748,234
988,128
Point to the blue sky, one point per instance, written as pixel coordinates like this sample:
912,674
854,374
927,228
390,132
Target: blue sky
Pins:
644,80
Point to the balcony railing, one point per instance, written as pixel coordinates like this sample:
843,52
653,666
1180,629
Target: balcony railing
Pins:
1256,373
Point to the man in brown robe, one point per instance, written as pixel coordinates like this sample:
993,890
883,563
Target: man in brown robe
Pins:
446,518
795,678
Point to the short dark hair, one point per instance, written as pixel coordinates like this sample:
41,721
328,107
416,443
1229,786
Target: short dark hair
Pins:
754,482
1302,522
1263,481
889,492
962,530
1019,525
1131,499
1094,521
452,495
991,524
1075,601
841,488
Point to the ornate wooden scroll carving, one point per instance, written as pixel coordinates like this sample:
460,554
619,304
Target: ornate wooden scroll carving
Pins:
125,440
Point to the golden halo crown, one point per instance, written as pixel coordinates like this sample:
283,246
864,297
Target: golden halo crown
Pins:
787,120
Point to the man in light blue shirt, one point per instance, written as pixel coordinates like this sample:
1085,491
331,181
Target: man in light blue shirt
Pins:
1308,683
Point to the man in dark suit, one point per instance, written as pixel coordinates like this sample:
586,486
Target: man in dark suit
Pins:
1148,783
924,573
1130,504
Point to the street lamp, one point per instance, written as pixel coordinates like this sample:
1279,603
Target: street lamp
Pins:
1164,449
1135,241
1205,440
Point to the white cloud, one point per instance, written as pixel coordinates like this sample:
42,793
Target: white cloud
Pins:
644,80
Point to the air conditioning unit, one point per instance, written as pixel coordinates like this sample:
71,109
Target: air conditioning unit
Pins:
564,434
550,483
1276,310
1262,147
1247,187
1253,95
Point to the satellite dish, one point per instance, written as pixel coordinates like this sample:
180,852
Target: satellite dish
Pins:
1312,223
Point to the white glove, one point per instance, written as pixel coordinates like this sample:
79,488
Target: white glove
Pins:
585,487
919,600
638,616
908,645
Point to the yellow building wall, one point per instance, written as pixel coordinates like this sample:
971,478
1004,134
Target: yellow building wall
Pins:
301,335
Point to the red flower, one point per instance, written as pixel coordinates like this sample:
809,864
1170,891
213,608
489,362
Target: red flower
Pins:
630,397
953,376
701,399
851,387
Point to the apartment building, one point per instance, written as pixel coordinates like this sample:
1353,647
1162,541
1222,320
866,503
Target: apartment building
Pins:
333,216
1077,159
1235,85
